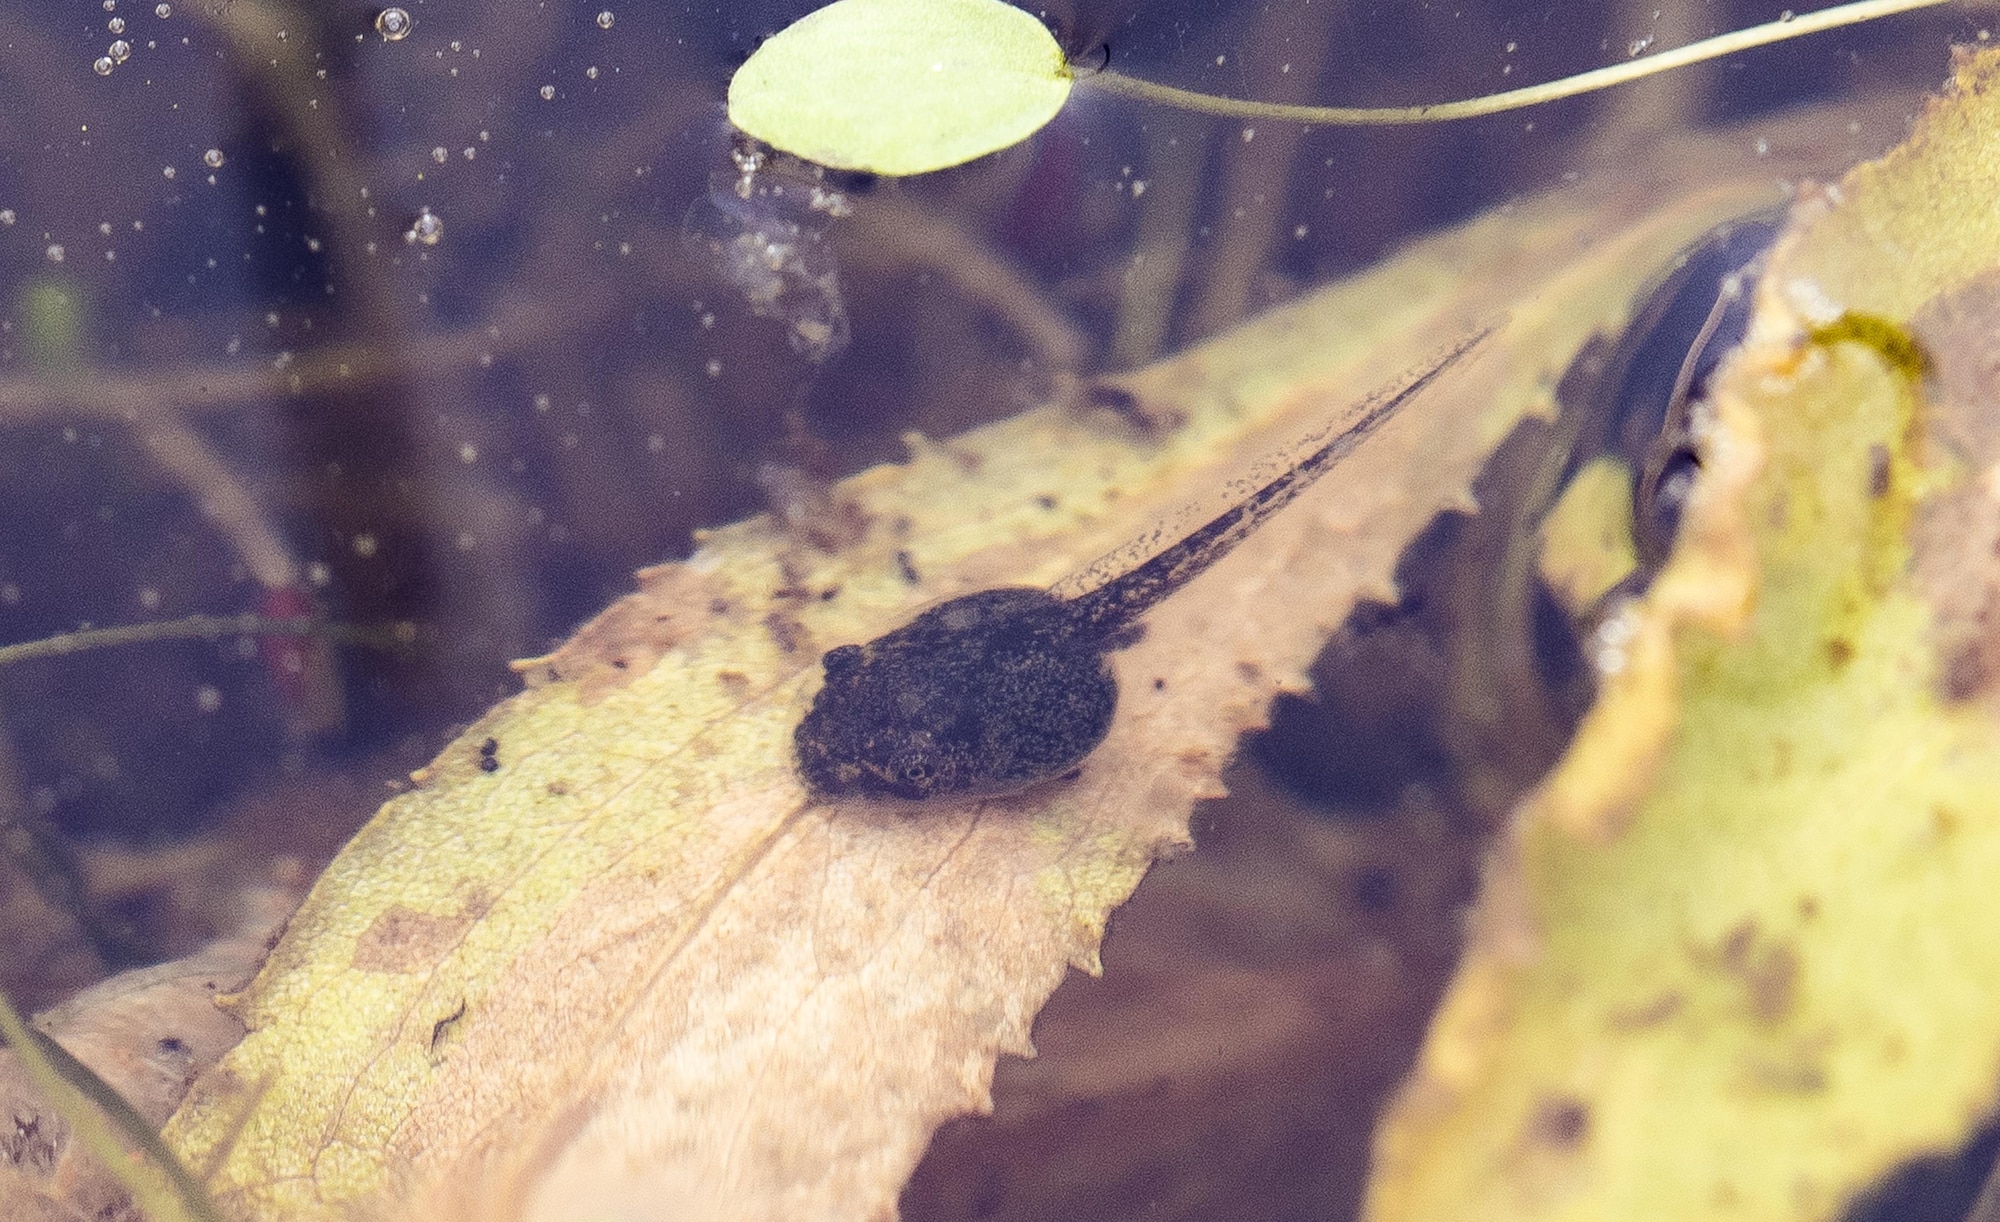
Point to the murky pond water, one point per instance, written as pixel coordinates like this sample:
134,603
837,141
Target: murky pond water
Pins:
429,324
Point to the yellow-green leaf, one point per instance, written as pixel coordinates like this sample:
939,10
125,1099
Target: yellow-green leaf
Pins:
1737,958
901,86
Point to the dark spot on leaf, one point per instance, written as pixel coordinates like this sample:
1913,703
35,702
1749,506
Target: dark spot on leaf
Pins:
1839,652
1768,970
785,631
402,939
1964,673
1649,1013
1561,1121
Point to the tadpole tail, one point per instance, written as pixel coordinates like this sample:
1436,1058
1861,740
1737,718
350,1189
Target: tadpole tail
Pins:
1116,605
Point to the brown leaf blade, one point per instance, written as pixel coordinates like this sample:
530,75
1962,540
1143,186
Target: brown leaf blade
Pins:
608,957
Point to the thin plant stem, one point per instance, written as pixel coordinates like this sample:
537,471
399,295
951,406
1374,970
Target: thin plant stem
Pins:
1515,99
1174,145
1670,102
196,627
224,498
1253,193
99,1117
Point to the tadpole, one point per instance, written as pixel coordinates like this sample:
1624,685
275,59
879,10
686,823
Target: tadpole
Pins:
994,691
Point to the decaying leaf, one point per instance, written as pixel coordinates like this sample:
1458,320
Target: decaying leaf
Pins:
1737,956
607,957
146,1034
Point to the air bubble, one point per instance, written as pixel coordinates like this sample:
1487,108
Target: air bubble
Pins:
212,159
54,253
426,229
116,25
119,51
548,93
605,18
103,66
591,72
440,155
393,24
6,216
163,11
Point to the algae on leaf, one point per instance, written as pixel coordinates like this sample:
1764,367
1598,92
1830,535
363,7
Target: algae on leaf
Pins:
1737,955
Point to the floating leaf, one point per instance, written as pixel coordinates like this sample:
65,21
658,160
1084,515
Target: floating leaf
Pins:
1737,957
901,86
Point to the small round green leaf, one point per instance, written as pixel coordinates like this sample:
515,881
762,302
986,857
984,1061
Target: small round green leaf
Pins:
901,86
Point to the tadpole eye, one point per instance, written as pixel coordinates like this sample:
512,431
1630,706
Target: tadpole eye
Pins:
917,771
841,661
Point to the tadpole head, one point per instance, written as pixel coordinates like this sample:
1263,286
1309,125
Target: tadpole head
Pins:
984,694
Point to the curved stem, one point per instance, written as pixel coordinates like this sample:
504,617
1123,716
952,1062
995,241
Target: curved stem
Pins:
197,627
1515,99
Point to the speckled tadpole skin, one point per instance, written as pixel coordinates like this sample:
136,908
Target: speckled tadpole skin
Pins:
984,693
997,690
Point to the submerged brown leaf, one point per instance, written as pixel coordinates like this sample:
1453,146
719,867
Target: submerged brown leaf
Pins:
607,957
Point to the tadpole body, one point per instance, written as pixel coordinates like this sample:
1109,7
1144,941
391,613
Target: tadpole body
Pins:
995,691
